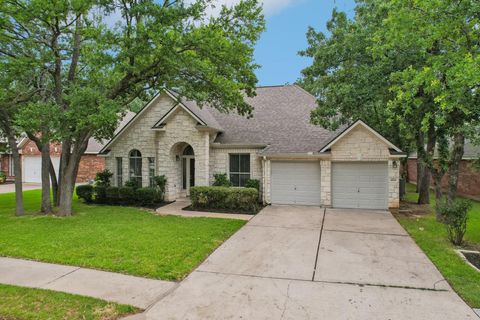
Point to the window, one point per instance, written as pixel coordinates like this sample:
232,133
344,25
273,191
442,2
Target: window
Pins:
188,151
136,166
239,169
151,171
119,172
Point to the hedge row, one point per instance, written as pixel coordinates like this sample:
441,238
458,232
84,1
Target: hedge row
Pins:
120,195
225,198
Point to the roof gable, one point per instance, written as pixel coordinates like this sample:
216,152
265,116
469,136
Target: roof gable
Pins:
352,127
129,123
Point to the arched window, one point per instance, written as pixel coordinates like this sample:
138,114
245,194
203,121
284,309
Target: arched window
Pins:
188,151
135,157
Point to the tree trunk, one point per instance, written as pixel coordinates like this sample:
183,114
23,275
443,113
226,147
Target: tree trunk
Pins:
46,206
438,174
17,169
54,182
48,173
419,173
423,175
68,172
427,161
454,170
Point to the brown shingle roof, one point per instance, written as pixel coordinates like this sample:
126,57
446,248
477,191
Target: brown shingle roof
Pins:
281,120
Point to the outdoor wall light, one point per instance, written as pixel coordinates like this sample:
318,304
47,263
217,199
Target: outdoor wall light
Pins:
177,158
394,164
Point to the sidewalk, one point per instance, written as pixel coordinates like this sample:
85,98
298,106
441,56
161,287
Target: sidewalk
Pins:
109,286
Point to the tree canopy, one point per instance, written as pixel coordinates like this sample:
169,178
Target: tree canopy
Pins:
96,57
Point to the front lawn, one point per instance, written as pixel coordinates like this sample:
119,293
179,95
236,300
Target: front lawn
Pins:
120,239
432,238
27,303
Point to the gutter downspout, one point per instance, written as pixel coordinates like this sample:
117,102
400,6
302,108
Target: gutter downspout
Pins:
263,179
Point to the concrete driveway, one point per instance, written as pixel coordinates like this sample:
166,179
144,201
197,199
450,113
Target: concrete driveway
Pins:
10,187
312,263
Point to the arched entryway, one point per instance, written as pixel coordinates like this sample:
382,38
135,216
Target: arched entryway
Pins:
181,173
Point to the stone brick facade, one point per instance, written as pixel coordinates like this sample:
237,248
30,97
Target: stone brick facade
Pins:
468,180
181,129
326,183
360,145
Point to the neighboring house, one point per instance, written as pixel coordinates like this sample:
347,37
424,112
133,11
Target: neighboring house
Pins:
295,161
31,159
469,177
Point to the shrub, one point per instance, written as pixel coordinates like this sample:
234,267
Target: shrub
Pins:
221,180
126,195
112,195
103,178
3,177
253,183
85,192
133,183
146,196
224,198
454,216
100,193
160,182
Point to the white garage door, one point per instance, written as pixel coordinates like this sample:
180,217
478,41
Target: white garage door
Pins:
295,183
360,185
32,167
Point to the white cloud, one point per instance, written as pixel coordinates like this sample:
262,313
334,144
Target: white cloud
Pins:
274,6
269,6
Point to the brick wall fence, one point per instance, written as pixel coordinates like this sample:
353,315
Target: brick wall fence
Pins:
468,180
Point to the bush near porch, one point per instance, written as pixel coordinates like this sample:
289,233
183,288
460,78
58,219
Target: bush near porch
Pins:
123,196
238,200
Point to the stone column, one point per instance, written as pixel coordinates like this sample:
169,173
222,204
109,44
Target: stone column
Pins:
393,184
326,183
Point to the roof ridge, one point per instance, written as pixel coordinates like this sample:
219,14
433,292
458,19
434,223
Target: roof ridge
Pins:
275,86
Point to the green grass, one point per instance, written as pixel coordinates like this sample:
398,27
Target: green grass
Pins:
431,236
28,303
120,239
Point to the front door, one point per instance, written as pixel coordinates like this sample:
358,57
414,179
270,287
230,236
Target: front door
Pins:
188,173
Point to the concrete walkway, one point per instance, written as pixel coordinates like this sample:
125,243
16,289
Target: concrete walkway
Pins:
311,263
115,287
176,207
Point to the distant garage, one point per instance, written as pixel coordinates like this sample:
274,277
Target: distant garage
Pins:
360,185
32,168
296,182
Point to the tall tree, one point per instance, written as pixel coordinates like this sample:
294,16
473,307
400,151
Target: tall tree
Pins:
14,92
96,70
446,33
351,81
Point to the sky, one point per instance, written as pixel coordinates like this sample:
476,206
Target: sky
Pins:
287,22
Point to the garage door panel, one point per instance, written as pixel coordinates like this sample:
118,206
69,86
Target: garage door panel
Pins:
360,185
295,183
32,167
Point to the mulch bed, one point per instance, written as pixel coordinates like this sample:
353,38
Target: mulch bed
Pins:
473,258
409,208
